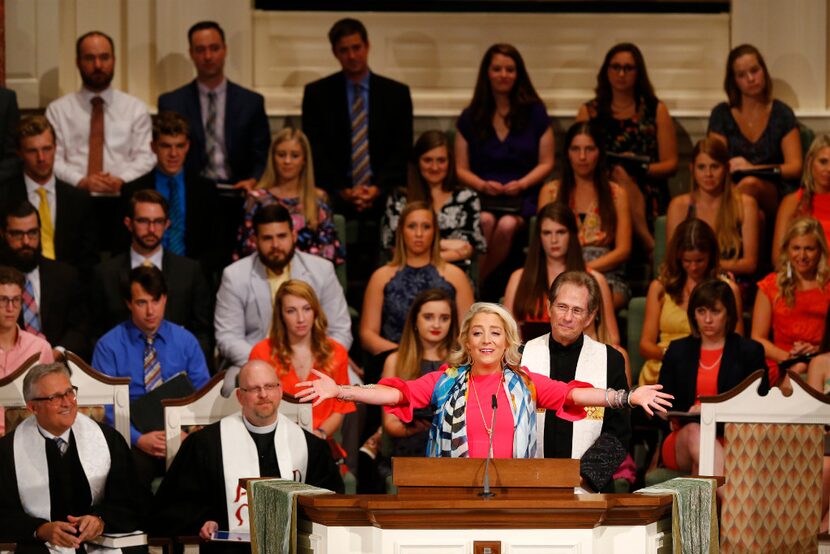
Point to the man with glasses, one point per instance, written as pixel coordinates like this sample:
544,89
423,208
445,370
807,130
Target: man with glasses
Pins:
200,493
188,299
191,198
150,351
600,440
64,479
67,230
16,345
54,297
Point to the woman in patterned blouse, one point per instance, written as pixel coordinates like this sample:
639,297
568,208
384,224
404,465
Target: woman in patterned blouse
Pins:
289,180
432,180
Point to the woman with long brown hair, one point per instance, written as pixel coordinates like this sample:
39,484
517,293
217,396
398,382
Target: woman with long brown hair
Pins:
760,131
298,343
632,121
692,256
503,148
731,214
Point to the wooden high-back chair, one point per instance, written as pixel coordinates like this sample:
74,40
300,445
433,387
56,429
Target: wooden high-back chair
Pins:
94,390
773,451
207,405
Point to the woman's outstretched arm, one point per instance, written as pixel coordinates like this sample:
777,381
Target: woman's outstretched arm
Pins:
324,388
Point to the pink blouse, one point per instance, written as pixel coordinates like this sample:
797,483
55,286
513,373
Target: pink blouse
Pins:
550,395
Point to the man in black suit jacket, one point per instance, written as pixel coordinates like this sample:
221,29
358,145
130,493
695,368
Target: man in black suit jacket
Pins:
191,199
327,121
9,118
59,311
188,297
70,207
242,135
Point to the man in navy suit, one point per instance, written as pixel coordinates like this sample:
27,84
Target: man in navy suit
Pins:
230,134
343,111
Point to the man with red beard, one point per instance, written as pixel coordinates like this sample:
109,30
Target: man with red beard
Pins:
245,301
54,300
188,300
200,493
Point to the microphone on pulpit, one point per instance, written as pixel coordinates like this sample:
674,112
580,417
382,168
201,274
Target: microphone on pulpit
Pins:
486,492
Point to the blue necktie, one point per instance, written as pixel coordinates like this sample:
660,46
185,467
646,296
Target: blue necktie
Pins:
175,234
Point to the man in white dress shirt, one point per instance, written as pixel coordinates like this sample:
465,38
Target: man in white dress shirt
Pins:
103,135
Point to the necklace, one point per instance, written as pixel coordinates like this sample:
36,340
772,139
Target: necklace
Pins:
492,427
713,365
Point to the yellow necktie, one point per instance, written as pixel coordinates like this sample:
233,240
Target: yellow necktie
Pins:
47,230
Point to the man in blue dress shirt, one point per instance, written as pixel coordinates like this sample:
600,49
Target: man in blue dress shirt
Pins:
149,350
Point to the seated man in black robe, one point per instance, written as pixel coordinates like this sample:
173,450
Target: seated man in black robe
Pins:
201,494
64,479
600,441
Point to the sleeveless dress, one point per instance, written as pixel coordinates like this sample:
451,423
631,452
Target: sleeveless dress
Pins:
820,211
400,292
638,135
674,324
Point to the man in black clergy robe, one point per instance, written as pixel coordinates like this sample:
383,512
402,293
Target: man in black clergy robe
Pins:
600,440
65,491
201,487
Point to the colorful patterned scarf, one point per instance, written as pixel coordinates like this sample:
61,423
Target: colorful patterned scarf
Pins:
448,433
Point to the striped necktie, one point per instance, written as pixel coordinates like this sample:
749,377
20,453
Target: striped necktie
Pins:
63,446
47,230
211,144
31,317
361,171
175,234
152,366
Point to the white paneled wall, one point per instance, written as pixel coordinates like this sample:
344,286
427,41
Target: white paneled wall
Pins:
437,54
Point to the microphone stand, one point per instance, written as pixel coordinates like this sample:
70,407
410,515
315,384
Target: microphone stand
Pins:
486,492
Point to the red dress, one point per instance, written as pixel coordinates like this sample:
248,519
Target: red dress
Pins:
707,385
804,321
339,372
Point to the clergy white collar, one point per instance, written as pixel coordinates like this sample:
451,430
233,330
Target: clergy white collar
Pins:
265,429
48,435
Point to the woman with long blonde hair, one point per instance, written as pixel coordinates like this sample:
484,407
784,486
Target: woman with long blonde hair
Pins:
289,180
792,301
415,267
733,216
298,343
813,198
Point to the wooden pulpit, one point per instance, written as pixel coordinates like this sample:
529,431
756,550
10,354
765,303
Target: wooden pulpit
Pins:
438,507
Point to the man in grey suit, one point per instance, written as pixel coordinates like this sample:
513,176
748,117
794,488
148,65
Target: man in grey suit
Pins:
244,303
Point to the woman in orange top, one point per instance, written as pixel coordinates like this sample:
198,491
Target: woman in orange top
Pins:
298,343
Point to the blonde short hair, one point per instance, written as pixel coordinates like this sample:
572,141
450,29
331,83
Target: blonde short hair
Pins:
512,357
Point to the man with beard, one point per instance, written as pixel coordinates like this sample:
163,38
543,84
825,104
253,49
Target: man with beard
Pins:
191,198
54,300
200,493
188,300
150,351
103,135
66,230
245,301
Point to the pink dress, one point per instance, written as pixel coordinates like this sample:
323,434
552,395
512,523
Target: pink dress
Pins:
550,395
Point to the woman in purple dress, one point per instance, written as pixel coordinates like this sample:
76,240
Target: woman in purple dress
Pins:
504,148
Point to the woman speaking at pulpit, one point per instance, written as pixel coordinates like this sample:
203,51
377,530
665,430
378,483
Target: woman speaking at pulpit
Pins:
483,398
